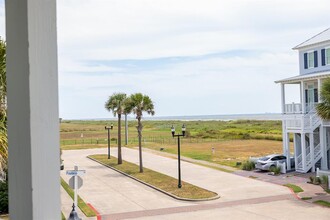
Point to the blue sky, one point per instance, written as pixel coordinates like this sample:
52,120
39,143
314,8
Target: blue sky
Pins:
192,57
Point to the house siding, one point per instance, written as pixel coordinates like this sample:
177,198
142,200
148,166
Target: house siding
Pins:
320,67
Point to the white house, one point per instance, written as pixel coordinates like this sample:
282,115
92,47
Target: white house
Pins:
311,134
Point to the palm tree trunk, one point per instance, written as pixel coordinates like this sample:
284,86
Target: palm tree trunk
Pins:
120,161
140,143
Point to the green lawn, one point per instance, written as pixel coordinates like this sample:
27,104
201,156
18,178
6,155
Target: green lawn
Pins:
159,180
233,141
323,203
295,188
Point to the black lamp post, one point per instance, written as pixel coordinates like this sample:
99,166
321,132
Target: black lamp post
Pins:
179,160
109,128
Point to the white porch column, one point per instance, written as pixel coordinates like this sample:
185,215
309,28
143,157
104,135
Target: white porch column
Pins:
295,146
324,160
283,97
302,97
283,137
303,150
288,160
311,139
33,121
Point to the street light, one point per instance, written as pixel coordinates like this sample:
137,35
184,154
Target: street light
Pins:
109,128
179,160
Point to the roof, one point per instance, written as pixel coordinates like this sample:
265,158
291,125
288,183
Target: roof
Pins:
299,78
322,37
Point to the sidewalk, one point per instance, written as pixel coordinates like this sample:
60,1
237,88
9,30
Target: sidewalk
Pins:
316,192
117,197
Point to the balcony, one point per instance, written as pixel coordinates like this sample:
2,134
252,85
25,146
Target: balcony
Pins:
302,122
296,108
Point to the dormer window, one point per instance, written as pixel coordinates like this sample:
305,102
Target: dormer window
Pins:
325,56
310,59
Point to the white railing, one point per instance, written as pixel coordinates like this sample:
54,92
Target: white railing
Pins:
308,161
299,161
322,172
294,108
317,151
310,106
307,122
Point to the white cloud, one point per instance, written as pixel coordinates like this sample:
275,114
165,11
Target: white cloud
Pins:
251,40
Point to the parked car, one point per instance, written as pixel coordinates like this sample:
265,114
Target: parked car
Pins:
62,165
270,161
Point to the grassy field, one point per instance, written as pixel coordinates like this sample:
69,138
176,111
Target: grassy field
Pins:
159,131
233,141
159,180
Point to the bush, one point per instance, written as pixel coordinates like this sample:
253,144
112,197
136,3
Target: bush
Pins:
248,165
275,170
315,180
3,197
324,181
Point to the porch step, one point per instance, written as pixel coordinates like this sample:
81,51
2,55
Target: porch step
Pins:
300,170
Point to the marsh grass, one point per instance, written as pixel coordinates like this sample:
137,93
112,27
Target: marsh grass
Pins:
159,180
220,130
233,141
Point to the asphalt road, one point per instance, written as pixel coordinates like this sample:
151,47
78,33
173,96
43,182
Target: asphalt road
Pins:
117,197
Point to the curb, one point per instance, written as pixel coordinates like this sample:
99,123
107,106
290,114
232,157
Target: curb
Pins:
160,190
295,194
98,216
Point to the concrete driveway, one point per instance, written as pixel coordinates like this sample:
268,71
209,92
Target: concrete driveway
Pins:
117,197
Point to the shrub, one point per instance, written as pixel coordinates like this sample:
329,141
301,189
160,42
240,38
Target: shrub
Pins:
3,197
315,180
275,170
248,165
324,181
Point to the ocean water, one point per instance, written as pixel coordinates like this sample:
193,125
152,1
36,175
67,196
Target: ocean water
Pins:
264,116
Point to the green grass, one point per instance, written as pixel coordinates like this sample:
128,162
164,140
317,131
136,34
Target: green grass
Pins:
295,188
323,203
234,141
159,180
81,204
62,216
221,130
82,147
306,198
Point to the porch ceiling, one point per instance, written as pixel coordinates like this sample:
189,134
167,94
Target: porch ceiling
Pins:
306,77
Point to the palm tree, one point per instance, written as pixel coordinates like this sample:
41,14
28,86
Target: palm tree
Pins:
139,103
323,108
116,104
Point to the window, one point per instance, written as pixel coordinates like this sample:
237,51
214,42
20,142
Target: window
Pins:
325,54
310,60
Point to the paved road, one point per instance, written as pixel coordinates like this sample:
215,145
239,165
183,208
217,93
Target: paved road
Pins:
119,197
